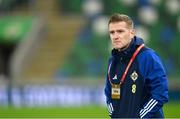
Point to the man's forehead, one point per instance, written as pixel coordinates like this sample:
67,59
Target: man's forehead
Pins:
118,25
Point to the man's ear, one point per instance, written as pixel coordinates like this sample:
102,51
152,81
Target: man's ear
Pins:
132,33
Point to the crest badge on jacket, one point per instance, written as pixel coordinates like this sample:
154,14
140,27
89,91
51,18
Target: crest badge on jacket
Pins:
134,76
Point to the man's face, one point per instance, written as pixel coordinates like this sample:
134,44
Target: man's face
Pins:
120,34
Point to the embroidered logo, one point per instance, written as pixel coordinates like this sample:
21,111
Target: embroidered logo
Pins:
134,76
115,77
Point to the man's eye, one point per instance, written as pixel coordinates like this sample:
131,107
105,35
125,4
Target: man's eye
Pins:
120,31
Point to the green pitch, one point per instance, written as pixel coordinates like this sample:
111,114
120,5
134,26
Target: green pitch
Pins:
170,110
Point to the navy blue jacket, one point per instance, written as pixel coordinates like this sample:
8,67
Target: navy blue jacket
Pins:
151,83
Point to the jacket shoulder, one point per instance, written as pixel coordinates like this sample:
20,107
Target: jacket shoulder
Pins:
148,53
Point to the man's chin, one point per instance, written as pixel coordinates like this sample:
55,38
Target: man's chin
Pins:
117,48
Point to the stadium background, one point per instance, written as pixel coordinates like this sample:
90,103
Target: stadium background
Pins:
53,53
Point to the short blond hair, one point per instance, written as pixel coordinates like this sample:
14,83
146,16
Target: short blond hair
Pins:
121,18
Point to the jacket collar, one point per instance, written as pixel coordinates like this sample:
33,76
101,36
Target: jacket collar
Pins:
127,53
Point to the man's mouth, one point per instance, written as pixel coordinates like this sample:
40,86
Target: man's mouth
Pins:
117,42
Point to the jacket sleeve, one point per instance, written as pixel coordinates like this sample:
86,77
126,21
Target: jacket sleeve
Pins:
107,91
156,83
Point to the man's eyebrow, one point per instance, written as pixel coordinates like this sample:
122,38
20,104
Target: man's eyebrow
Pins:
111,31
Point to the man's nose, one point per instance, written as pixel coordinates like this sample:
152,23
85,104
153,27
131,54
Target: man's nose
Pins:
116,35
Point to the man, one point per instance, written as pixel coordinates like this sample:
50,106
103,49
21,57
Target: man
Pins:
136,84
